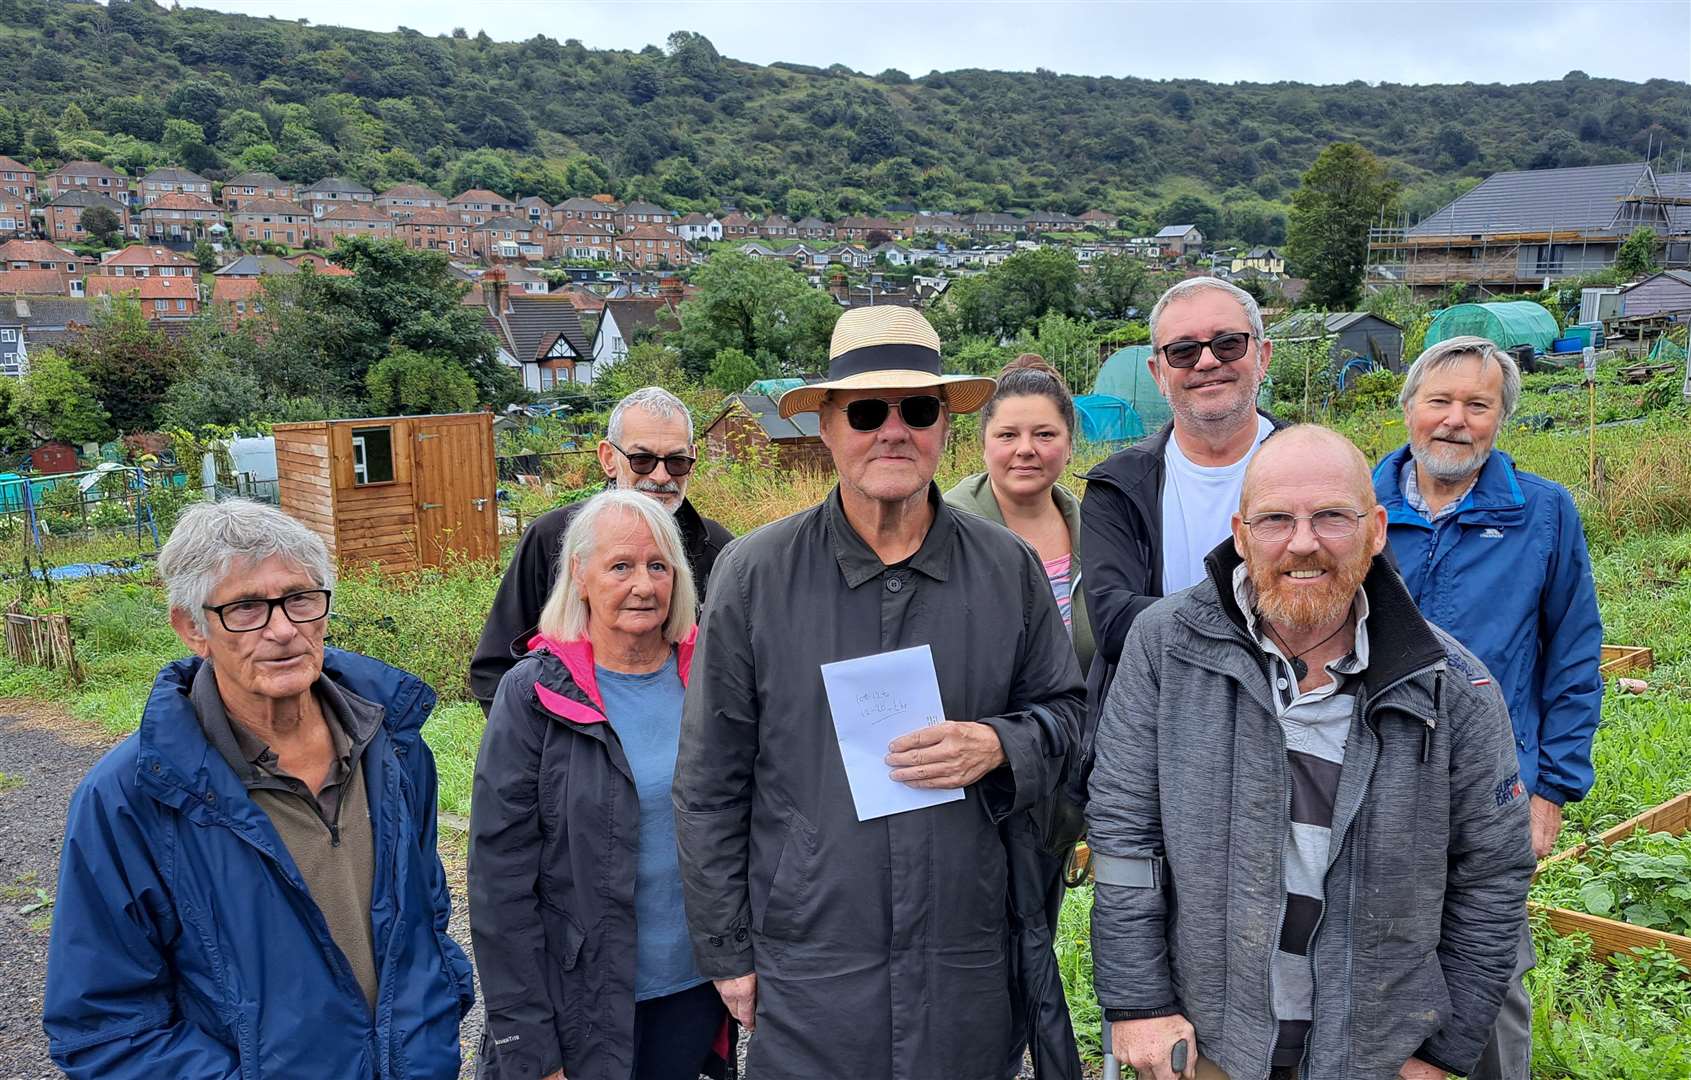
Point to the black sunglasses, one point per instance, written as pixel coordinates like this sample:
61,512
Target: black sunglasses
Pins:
868,414
1226,348
643,463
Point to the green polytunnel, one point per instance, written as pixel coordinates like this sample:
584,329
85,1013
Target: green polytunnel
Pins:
1125,376
1506,323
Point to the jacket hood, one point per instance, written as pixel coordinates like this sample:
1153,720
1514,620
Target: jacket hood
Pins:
1400,641
577,658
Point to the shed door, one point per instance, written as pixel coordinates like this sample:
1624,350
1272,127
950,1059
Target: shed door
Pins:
454,484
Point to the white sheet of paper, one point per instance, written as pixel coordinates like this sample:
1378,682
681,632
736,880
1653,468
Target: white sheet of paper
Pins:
874,700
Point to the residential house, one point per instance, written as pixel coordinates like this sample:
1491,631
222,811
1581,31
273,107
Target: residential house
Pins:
750,427
862,228
737,226
252,266
1263,259
940,224
583,209
1517,230
478,205
39,255
350,219
141,260
273,221
433,229
636,214
39,283
508,239
992,223
238,298
173,181
254,185
848,255
332,191
776,227
1099,219
534,208
892,253
37,322
624,322
1046,221
814,228
650,246
694,227
1179,240
540,335
1666,293
527,282
318,262
65,215
402,200
16,178
14,214
180,217
163,299
578,238
87,176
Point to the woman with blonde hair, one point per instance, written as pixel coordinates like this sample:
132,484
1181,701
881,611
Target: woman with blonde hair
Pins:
575,893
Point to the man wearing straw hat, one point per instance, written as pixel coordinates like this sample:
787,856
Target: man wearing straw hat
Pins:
870,947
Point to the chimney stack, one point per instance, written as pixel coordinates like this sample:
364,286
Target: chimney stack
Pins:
495,290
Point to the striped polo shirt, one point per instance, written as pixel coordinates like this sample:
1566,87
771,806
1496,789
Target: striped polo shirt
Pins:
1316,724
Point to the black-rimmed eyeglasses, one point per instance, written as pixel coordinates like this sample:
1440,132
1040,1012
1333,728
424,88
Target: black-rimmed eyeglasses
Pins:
644,463
1226,348
253,613
1327,524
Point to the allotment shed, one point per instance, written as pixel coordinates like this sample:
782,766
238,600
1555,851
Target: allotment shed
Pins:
750,428
401,491
1354,333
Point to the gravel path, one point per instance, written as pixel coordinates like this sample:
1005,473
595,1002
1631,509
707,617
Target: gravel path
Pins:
42,757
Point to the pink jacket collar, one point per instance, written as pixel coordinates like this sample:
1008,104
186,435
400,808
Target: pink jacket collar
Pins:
577,656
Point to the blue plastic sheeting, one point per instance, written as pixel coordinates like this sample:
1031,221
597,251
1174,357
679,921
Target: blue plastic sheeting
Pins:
1107,418
75,571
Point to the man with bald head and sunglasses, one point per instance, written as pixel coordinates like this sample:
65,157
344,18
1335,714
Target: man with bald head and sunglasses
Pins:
1154,510
648,447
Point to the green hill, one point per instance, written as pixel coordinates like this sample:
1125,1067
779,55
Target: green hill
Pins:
135,85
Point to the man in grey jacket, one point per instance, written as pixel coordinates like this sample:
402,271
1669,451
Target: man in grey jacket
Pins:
1308,826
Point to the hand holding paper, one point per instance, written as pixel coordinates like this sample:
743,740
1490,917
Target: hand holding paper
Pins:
874,701
945,755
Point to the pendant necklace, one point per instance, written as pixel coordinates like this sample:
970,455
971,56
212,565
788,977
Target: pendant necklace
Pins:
1300,669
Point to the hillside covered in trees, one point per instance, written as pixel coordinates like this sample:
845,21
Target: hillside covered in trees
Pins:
135,85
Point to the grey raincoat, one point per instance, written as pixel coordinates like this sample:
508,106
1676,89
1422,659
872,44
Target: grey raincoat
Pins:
881,947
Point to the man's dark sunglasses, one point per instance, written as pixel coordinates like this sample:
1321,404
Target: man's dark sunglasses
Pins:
253,613
1226,348
643,463
868,414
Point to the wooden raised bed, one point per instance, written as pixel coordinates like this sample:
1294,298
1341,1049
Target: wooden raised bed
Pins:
1607,935
1624,659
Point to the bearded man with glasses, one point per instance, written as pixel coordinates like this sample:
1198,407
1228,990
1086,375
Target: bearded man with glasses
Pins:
1152,512
249,883
877,947
1309,838
648,447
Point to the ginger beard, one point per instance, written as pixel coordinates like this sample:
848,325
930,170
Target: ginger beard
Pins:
1305,606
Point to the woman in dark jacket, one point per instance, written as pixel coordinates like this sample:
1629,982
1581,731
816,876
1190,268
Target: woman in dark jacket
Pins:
572,835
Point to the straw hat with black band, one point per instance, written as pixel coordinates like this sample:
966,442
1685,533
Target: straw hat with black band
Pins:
887,348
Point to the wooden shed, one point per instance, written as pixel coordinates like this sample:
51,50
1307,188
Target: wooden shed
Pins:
402,491
750,426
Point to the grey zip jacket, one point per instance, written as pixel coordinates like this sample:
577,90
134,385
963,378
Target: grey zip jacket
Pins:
1430,855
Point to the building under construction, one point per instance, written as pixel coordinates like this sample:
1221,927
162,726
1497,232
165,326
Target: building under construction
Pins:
1520,231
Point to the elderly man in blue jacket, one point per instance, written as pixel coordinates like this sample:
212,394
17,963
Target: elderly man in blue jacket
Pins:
249,885
1496,557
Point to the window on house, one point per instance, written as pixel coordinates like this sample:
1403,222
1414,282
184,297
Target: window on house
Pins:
181,305
372,455
8,335
161,305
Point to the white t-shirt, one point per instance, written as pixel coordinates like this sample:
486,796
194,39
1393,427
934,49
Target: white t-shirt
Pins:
1198,507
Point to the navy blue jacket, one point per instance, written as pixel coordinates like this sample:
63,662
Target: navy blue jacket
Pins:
1508,576
185,944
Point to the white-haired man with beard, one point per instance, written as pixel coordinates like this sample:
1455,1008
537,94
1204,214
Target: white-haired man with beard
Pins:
1496,556
1308,836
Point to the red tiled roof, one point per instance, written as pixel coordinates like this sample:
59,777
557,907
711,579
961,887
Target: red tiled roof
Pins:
85,168
180,200
34,283
410,191
353,211
142,255
479,195
9,165
649,232
147,288
34,251
270,206
227,290
431,215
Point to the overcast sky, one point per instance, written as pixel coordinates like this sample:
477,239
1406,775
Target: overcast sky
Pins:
1430,41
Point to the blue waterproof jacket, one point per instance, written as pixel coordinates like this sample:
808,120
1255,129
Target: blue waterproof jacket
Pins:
1507,574
185,944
